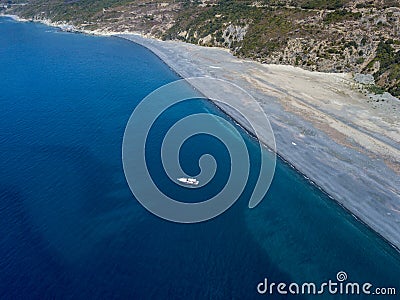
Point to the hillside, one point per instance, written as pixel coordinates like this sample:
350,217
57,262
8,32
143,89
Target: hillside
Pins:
322,35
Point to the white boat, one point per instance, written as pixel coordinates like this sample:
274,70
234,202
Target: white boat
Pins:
189,181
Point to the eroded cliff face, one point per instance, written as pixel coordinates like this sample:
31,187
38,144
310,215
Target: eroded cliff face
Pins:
319,35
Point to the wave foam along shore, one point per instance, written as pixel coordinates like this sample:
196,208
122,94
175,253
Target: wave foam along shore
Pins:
338,138
14,17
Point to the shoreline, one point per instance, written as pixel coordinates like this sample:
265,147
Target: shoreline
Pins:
374,219
188,60
64,26
281,157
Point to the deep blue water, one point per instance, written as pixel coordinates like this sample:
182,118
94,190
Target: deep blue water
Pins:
71,228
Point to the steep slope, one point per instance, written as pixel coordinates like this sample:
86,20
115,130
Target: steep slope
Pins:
332,36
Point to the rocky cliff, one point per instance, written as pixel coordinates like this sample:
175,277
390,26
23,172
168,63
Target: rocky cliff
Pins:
321,35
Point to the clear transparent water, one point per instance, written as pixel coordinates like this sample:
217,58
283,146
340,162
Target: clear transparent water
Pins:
70,227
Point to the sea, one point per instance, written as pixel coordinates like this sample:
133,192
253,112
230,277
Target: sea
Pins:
70,227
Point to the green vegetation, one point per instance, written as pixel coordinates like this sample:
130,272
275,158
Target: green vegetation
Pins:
341,15
70,11
322,4
267,34
388,74
209,20
374,89
324,35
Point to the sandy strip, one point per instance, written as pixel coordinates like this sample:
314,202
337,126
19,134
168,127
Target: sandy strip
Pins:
337,137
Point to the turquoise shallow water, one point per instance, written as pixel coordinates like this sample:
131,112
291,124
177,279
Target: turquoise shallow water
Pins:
71,228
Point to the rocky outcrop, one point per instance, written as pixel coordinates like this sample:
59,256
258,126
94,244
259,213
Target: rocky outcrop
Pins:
329,36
